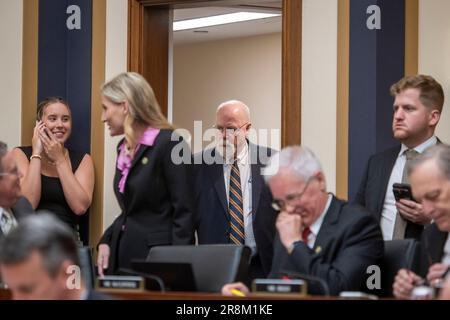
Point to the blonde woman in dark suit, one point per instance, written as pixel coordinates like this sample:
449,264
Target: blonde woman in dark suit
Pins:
153,192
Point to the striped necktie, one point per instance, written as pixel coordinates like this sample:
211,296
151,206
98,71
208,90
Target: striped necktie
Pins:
235,208
5,222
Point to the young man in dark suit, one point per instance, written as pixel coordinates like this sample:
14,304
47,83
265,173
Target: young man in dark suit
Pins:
429,175
232,200
319,236
39,261
417,108
13,207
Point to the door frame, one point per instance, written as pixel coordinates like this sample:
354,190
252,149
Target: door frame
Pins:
149,28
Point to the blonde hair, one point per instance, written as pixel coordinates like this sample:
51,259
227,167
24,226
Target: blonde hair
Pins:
143,107
431,92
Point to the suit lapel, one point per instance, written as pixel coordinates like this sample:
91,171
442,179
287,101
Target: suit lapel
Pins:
385,173
331,217
256,178
436,243
215,173
142,149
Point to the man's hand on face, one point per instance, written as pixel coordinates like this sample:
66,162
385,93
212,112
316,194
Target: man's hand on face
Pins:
412,211
289,228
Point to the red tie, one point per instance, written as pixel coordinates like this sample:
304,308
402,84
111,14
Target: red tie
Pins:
305,234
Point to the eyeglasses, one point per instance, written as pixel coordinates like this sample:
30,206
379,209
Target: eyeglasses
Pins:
14,172
279,205
229,131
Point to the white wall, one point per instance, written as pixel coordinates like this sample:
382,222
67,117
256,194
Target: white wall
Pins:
434,52
116,62
11,71
319,81
246,69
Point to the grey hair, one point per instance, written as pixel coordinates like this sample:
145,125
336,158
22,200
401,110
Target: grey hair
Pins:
243,105
300,160
3,151
42,233
440,153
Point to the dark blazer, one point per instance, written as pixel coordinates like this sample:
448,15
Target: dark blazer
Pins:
156,204
21,209
348,241
212,219
373,187
432,245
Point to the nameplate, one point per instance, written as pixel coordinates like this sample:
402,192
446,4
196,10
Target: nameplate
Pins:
131,283
281,286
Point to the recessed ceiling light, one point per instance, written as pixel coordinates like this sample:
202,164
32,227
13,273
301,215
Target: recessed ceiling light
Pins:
220,19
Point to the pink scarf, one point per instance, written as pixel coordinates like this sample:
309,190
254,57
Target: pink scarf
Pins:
124,160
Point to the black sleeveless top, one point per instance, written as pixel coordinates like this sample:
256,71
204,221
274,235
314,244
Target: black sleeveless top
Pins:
52,194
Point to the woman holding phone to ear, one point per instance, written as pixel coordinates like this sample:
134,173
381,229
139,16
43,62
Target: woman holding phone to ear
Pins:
55,178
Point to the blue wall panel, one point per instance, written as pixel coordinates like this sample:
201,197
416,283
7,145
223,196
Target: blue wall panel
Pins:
65,69
64,63
376,62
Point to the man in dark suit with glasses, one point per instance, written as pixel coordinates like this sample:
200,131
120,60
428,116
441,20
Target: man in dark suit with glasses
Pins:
13,206
232,200
319,237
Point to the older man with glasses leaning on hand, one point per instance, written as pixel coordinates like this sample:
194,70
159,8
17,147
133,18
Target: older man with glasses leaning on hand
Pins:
319,236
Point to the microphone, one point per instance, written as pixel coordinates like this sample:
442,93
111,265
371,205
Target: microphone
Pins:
309,278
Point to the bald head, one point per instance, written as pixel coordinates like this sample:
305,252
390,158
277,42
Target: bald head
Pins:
233,117
236,109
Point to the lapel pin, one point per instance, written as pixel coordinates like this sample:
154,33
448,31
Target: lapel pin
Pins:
318,249
144,160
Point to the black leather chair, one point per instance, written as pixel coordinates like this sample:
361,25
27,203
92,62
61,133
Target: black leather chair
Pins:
398,254
212,265
87,266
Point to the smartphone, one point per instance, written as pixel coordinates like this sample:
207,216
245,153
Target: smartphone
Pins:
402,191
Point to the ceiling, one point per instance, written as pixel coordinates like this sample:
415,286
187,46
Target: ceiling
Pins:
232,30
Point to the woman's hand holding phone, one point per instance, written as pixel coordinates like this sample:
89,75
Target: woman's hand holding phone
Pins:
53,148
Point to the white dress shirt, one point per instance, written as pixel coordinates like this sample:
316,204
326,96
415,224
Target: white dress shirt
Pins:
243,161
389,213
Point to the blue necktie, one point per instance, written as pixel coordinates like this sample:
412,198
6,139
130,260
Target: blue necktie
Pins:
235,207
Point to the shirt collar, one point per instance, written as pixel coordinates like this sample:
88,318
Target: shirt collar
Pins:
149,136
315,227
241,158
421,147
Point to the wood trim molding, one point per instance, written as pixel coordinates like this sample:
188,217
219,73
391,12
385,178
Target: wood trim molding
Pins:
97,127
291,73
29,69
148,45
343,67
411,37
135,38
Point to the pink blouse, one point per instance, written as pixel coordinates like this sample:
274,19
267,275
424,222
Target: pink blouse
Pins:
124,160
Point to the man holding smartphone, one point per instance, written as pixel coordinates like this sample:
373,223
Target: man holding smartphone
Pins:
429,174
416,112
